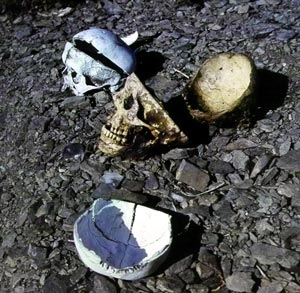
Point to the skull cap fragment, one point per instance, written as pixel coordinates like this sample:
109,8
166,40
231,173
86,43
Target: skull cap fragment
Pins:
96,59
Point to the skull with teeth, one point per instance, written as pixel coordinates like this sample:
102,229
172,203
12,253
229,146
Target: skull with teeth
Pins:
139,122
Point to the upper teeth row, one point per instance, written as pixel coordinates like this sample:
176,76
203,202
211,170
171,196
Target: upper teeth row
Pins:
115,138
118,131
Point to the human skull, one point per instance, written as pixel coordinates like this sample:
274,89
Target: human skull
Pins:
223,86
139,122
95,59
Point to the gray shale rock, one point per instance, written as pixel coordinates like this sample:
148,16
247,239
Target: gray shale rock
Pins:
9,239
208,264
240,160
240,144
78,275
192,176
268,255
179,266
170,284
133,185
151,181
38,254
163,87
260,165
176,154
290,161
55,284
188,276
270,287
263,227
240,282
225,212
289,190
269,175
285,35
80,102
220,167
198,288
103,285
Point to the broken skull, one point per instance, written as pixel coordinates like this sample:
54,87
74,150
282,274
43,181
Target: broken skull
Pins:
140,122
95,59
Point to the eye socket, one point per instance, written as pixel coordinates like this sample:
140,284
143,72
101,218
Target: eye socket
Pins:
128,102
75,77
73,74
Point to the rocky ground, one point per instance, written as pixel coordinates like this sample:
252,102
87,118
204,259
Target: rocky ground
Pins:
242,198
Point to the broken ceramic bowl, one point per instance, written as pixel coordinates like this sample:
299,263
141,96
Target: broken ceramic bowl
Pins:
97,59
122,239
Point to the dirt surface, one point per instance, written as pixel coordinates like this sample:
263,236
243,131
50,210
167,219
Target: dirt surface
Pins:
237,211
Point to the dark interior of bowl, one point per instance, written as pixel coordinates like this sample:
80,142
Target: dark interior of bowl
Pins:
103,231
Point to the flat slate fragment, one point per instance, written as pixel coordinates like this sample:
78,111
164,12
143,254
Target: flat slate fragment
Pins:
270,287
192,176
240,144
220,167
55,284
290,161
260,165
225,212
170,284
240,282
103,285
268,255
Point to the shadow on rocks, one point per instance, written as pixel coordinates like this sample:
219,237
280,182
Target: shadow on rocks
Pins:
15,7
271,91
186,240
196,3
196,131
148,64
108,192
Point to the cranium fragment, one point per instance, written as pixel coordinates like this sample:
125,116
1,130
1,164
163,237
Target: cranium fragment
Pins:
122,239
140,122
95,59
222,85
